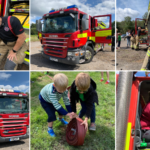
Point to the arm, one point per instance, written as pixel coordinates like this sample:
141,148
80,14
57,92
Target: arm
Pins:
19,43
19,32
66,101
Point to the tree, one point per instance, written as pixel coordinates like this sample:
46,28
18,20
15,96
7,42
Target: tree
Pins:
145,15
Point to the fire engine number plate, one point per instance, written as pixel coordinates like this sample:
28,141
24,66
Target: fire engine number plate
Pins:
14,139
53,59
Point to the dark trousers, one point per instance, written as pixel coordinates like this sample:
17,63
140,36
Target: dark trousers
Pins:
119,42
83,111
49,109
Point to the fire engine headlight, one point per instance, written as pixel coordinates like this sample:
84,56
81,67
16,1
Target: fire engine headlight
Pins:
73,53
27,130
70,53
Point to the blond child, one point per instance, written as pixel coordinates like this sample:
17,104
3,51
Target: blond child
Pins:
49,98
83,89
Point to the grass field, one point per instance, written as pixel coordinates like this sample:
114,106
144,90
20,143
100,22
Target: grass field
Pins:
104,136
34,38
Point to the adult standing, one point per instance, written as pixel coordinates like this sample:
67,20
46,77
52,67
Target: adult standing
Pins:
132,34
138,37
128,38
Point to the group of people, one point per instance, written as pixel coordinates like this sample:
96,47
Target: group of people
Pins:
131,38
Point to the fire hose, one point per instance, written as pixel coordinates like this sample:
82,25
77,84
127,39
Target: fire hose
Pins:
75,132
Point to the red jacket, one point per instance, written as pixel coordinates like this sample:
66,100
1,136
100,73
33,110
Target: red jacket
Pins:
145,117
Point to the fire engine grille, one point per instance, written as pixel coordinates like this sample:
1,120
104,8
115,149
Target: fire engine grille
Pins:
54,43
56,47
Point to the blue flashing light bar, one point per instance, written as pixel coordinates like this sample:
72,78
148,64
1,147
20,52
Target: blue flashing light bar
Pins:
72,6
16,91
51,11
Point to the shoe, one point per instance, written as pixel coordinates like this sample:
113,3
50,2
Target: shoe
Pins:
101,80
51,132
92,127
106,82
63,121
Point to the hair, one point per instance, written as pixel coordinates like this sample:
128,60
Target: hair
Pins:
83,81
60,81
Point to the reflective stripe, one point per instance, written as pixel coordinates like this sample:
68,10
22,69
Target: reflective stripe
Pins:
83,35
26,59
148,53
27,27
27,53
40,35
103,33
92,38
12,10
27,40
128,133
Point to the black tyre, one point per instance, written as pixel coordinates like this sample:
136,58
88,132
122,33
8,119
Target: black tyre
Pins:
89,54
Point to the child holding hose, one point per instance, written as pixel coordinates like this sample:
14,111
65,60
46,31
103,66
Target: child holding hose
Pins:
49,98
83,89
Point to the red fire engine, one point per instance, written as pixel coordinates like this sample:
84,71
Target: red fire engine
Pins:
69,35
133,93
14,115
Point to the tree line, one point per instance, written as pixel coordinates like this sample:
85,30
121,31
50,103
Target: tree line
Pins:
128,24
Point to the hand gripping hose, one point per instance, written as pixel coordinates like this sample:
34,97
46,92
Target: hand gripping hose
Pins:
75,132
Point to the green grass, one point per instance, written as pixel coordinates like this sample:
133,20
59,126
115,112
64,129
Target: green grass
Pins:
34,38
104,136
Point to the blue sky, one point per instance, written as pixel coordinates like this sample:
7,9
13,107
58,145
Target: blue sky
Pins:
15,81
132,8
93,8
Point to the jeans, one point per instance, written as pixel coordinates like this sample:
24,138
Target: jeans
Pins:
83,111
119,42
49,109
128,41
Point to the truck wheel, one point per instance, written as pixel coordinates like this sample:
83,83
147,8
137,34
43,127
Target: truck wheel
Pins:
88,54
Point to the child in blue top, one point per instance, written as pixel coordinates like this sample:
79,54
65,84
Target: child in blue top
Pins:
49,99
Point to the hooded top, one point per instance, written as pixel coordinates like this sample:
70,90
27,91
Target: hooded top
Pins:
145,117
90,97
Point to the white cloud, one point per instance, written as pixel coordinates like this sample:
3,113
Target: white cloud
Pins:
4,76
20,87
39,8
121,13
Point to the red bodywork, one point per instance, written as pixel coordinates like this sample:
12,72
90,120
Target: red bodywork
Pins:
58,46
133,105
15,124
2,7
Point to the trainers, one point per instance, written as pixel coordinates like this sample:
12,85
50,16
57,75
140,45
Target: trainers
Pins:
101,80
63,121
106,82
51,132
92,127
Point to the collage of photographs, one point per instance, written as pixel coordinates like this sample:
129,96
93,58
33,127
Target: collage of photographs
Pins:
74,74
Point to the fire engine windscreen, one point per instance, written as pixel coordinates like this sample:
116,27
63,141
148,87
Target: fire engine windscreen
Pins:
60,24
13,105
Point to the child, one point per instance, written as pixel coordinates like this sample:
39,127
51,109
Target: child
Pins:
49,97
119,40
83,89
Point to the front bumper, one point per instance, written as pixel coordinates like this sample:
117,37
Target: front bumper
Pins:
7,139
71,60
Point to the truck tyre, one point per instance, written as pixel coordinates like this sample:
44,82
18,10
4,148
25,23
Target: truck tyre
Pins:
89,53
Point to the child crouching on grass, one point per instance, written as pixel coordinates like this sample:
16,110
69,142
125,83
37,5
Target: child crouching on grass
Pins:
49,97
83,89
